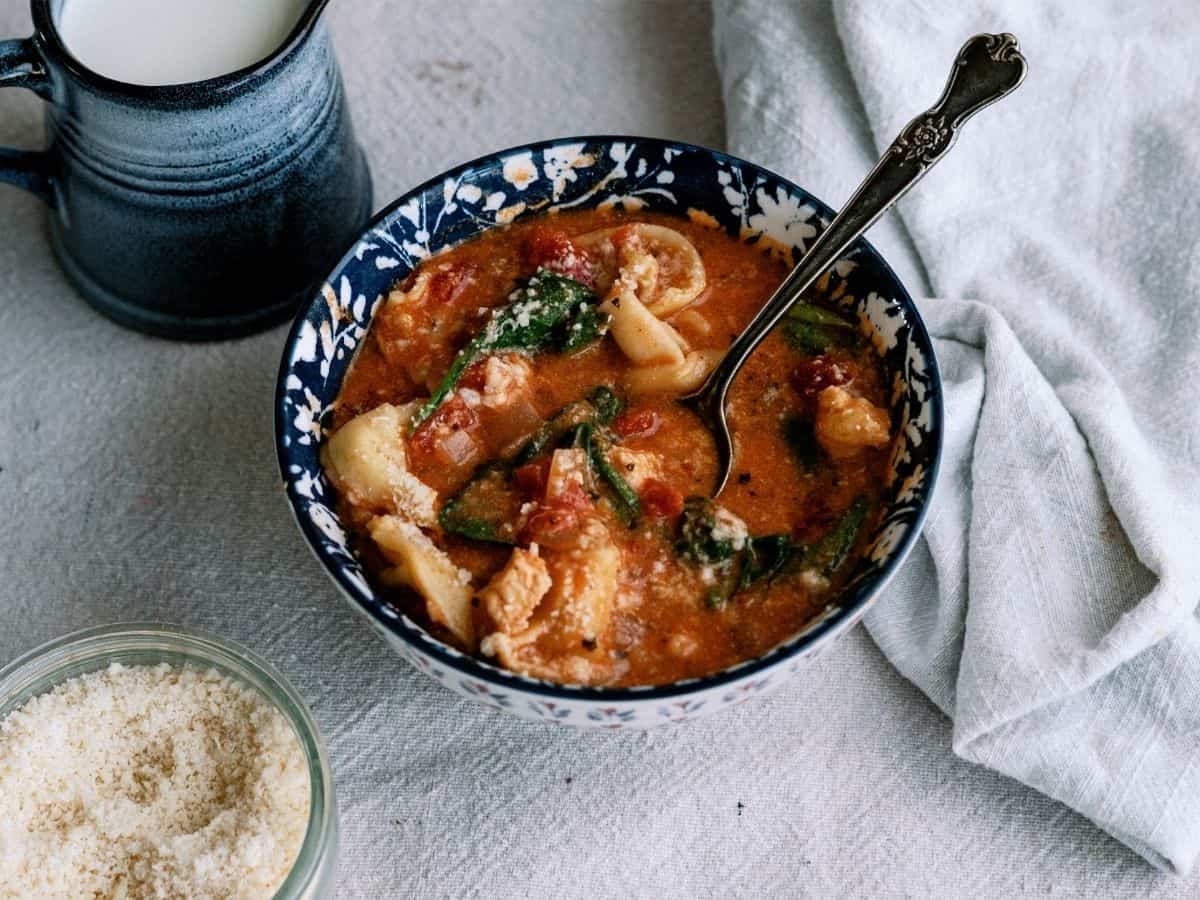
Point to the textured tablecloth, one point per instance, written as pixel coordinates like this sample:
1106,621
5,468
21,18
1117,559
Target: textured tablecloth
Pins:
1050,607
137,479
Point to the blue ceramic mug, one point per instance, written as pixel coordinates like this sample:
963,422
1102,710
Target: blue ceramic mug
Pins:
201,210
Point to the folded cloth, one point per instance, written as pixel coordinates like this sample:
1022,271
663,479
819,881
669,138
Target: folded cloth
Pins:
1050,609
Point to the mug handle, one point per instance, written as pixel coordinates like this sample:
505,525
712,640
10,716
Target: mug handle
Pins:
21,66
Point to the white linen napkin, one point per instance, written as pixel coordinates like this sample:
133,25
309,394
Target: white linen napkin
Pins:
1051,607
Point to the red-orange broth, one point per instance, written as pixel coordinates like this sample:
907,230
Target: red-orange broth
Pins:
809,420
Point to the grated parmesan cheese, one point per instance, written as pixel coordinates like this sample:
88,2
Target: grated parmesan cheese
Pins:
149,781
728,527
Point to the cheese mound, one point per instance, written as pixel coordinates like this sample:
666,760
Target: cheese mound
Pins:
149,781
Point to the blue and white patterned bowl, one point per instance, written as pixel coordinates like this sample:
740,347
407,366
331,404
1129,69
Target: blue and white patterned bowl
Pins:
571,173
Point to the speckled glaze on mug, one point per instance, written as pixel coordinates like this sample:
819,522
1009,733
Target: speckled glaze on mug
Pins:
197,211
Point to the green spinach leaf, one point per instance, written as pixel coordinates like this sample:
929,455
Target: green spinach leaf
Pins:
600,408
735,562
800,435
586,327
623,497
607,404
828,554
765,558
701,540
485,508
532,320
814,329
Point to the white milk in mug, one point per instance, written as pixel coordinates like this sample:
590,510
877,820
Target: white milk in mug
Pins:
157,42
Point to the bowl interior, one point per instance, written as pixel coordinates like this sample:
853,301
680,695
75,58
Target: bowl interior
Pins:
631,173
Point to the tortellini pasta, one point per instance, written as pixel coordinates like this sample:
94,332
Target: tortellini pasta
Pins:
649,273
681,377
665,267
367,462
643,337
418,563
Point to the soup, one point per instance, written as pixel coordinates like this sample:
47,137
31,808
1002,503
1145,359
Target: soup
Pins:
516,473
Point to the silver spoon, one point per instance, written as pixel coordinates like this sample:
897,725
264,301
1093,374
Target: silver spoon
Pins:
987,67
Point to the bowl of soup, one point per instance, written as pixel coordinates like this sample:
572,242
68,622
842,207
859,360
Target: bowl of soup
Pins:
479,430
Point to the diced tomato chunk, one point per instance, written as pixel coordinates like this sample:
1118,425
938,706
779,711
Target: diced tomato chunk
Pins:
636,423
475,376
531,478
452,415
554,522
552,526
660,500
573,496
551,249
447,283
421,443
811,376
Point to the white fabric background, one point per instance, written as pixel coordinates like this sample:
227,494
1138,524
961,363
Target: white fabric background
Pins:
137,479
1050,609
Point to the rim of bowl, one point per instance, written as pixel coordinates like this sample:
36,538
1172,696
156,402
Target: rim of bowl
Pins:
90,649
425,643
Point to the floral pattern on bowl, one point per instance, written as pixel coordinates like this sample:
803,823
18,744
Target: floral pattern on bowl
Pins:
634,174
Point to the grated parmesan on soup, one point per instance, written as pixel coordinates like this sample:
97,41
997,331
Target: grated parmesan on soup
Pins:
728,527
149,781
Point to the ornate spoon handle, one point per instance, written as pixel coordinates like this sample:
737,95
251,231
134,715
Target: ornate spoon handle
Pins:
988,67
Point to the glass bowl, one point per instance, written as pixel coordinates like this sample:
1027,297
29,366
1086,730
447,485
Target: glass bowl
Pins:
135,644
